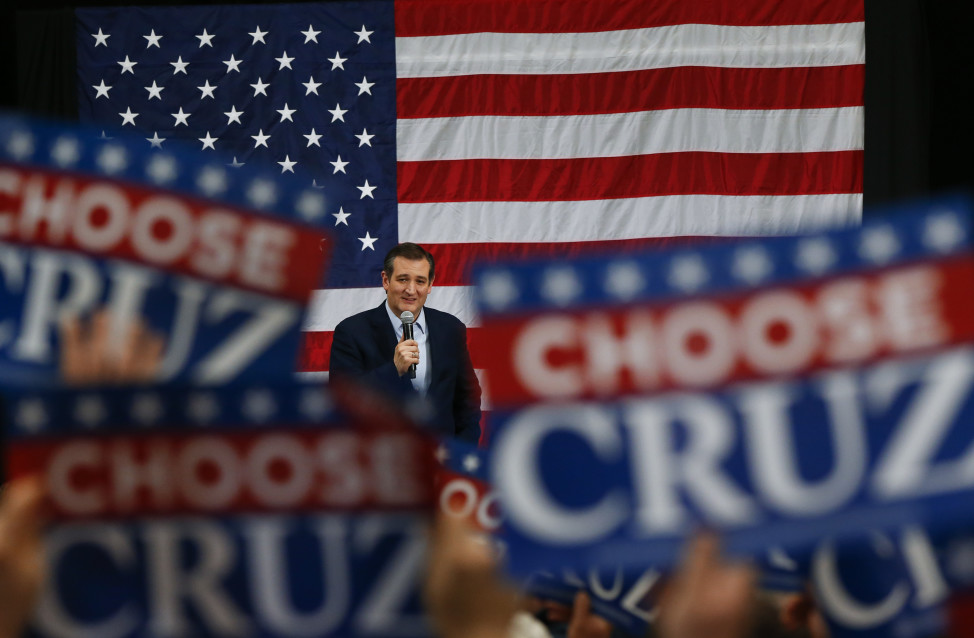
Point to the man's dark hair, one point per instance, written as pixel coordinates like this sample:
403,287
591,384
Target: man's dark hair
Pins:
407,250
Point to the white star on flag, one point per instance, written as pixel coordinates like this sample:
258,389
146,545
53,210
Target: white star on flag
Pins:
338,62
311,86
180,66
258,36
368,241
260,139
312,138
128,66
233,64
339,165
364,139
310,35
287,166
206,90
233,115
155,141
152,39
101,39
337,113
366,190
155,91
260,88
340,216
365,86
363,35
208,141
205,39
102,89
128,117
286,113
181,118
284,61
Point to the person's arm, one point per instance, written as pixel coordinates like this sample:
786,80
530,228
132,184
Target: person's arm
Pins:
464,593
348,359
466,400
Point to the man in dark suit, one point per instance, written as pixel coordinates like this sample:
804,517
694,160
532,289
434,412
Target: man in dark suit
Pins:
370,345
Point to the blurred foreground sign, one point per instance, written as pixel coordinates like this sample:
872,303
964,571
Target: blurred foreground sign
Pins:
186,242
782,391
244,510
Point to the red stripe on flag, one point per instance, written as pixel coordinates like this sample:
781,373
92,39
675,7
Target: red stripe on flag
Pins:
692,173
453,261
316,350
442,17
621,92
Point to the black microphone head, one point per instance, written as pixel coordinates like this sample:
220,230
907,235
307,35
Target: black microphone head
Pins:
407,317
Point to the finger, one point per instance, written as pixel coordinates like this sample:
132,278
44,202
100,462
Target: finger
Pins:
128,353
581,608
72,349
703,554
102,361
22,510
148,356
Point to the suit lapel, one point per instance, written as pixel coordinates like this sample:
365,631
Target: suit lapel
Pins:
382,329
438,349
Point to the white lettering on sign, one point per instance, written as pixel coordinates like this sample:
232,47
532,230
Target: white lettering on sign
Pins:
922,584
524,494
209,473
674,486
102,217
56,284
702,343
238,584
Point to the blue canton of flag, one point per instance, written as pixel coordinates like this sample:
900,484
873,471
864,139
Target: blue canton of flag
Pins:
305,85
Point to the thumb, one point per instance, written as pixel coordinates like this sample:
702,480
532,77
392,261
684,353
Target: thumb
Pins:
581,608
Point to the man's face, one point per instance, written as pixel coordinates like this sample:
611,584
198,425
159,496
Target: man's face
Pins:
408,286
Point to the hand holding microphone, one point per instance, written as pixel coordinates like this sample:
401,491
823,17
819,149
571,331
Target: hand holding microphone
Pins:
411,356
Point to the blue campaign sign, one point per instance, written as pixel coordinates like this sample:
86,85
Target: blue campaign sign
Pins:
909,232
274,509
776,464
312,575
218,259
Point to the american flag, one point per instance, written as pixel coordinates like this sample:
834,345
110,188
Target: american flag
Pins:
493,128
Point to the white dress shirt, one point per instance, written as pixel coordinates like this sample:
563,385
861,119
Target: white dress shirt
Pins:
420,334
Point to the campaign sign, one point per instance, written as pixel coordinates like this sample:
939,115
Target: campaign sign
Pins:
773,464
240,510
218,259
635,324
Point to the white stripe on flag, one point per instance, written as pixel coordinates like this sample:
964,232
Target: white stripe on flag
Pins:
638,133
664,216
632,49
329,306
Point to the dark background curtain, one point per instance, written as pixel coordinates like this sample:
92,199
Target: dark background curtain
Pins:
919,61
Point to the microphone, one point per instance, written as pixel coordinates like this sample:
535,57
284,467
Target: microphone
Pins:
407,319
